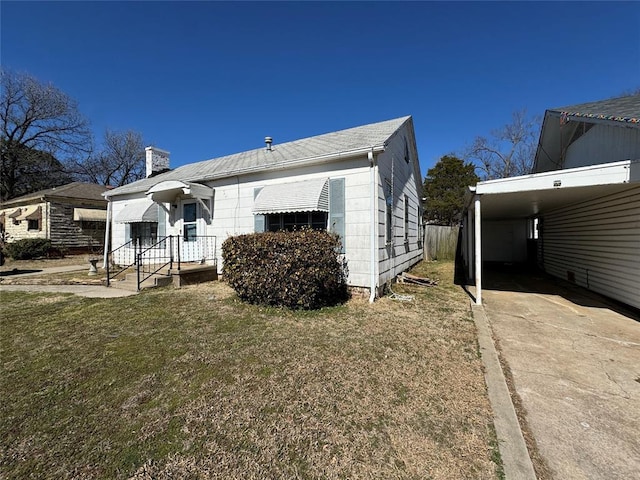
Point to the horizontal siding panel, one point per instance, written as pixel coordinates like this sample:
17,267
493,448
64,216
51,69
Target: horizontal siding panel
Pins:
622,259
599,241
627,273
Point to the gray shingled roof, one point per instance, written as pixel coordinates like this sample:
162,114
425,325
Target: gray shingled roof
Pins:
79,190
297,151
621,109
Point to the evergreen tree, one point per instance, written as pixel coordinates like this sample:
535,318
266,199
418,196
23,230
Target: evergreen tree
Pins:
444,188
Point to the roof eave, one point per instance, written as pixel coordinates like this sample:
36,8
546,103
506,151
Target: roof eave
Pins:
309,161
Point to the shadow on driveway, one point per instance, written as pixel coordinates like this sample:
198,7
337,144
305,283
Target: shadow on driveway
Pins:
574,357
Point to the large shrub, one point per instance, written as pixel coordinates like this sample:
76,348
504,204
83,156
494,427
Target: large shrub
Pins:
27,248
298,270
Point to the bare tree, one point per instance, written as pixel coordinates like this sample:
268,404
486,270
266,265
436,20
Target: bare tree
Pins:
40,125
120,161
510,151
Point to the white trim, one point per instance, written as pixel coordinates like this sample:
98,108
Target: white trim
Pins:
603,174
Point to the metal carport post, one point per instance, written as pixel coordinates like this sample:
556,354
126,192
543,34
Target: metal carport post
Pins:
478,249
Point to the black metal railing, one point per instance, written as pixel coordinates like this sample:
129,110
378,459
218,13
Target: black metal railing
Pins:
171,251
154,258
114,269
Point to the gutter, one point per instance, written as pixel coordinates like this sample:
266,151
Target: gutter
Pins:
374,221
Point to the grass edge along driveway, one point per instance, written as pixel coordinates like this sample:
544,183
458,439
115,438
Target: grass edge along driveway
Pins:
192,383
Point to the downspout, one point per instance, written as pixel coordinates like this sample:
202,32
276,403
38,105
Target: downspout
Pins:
374,222
107,235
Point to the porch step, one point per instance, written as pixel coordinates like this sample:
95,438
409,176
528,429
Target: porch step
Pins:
130,282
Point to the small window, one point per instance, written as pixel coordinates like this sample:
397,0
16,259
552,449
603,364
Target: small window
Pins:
406,150
144,233
33,224
532,227
406,218
389,210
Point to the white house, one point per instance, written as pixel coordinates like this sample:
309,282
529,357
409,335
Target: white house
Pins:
578,215
363,183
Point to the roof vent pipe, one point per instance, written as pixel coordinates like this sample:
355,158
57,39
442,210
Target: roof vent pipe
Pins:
268,141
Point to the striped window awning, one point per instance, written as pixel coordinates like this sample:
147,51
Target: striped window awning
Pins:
31,213
303,196
89,215
139,212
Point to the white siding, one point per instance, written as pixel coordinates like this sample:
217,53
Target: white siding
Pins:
232,213
398,255
598,243
19,231
604,144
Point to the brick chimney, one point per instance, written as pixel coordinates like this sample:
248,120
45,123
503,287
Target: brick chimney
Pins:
157,160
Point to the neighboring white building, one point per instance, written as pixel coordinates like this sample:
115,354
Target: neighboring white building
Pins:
363,183
578,215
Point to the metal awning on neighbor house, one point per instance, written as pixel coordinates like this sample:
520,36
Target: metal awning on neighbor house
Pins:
15,213
302,196
89,215
31,213
139,212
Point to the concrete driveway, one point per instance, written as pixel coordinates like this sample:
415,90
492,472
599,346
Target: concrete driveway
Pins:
575,362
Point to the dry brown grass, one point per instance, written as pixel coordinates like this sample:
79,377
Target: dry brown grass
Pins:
41,263
214,388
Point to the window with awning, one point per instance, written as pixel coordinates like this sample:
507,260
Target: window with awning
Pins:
303,196
89,215
33,216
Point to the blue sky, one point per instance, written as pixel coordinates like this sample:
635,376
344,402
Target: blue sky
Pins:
206,79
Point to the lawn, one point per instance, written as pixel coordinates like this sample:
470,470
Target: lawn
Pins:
192,383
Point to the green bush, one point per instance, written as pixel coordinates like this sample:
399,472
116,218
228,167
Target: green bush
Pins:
298,270
27,248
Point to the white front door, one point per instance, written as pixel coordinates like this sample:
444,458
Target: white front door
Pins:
192,228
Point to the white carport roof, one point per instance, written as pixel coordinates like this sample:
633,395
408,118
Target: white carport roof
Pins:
530,195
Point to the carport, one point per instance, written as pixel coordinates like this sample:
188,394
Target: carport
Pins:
580,224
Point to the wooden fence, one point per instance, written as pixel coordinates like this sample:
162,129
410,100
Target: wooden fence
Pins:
440,242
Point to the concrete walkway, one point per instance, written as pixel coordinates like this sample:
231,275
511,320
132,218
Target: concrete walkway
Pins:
575,363
92,291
